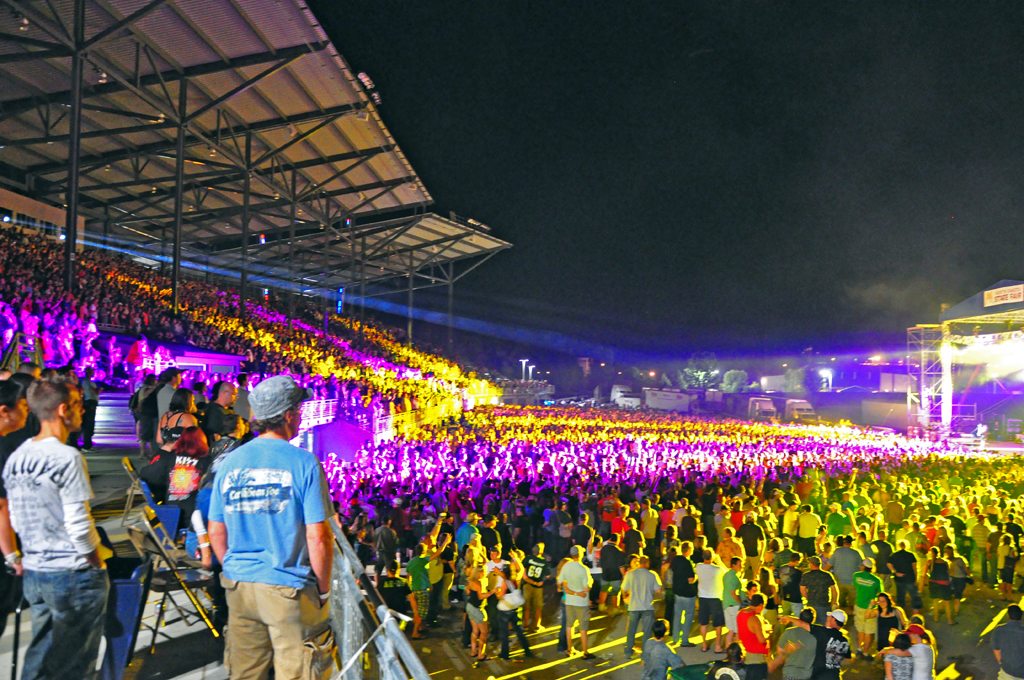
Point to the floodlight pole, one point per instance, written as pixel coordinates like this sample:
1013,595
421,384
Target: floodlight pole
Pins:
74,144
179,198
246,190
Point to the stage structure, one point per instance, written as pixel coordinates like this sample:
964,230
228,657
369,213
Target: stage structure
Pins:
219,139
984,333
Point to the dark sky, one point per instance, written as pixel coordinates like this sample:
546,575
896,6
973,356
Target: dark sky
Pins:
712,175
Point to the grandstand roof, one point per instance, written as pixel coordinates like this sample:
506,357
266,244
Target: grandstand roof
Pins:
265,94
999,303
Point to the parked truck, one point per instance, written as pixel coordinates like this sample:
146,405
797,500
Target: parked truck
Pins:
751,407
799,411
761,408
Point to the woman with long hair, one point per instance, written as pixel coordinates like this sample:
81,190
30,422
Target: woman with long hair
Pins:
177,419
191,459
899,662
890,618
940,587
476,611
180,415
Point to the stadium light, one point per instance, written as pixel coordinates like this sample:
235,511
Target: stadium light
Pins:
524,362
826,375
531,367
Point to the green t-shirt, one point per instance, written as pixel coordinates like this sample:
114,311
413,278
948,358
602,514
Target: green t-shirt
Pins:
419,578
837,523
730,582
867,587
800,664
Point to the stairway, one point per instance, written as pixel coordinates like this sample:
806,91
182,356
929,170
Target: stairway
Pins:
115,426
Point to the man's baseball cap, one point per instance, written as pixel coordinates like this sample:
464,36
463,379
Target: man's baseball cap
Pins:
838,614
576,551
915,629
274,396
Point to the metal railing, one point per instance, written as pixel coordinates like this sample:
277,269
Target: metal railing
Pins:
371,643
318,412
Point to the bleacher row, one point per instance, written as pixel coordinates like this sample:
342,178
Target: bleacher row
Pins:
113,290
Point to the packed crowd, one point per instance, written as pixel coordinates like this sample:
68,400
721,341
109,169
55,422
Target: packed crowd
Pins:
574,450
766,542
111,290
779,546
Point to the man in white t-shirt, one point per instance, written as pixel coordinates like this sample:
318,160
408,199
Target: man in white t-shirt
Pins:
923,653
710,588
65,580
575,581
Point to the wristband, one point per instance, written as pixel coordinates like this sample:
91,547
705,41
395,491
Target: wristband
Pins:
324,596
204,545
12,558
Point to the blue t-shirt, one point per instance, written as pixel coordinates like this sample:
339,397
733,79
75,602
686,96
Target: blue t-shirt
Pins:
266,493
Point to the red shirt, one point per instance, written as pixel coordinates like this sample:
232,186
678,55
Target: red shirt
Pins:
747,638
620,526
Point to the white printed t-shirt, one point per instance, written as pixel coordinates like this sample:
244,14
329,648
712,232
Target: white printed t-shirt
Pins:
42,479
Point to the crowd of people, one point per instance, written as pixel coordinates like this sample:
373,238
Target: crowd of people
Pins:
777,545
769,546
112,291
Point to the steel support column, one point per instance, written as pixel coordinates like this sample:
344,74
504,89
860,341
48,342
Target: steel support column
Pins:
246,190
291,249
179,195
408,304
74,144
362,290
451,306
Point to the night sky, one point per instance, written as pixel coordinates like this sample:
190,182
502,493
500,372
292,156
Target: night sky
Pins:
722,176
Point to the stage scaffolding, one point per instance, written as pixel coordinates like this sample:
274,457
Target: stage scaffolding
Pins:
221,137
991,317
924,371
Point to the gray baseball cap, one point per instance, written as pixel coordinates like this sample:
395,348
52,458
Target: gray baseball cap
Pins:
274,396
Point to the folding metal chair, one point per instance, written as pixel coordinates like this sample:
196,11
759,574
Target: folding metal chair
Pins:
174,573
134,489
169,515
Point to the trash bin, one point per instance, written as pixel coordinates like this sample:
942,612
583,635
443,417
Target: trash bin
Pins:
129,590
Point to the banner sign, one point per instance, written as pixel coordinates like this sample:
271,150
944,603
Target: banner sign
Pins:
987,339
1004,296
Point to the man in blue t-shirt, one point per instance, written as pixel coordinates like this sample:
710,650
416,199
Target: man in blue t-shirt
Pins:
269,528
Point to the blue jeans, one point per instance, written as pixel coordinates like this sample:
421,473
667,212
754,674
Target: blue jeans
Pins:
682,619
506,620
645,619
905,588
67,622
